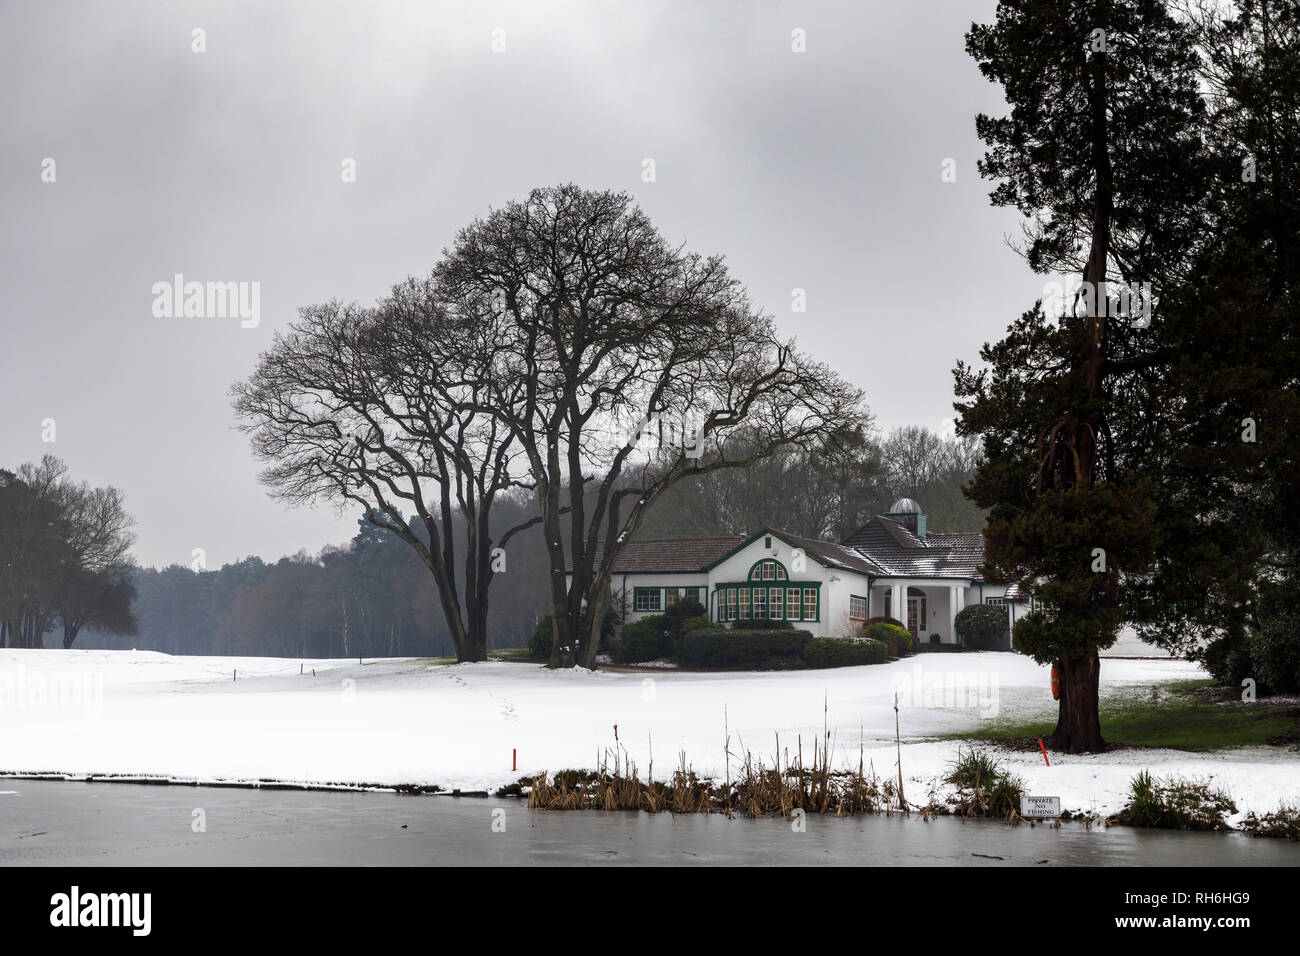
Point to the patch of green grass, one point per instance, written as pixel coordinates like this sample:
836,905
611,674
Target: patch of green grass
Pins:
1169,715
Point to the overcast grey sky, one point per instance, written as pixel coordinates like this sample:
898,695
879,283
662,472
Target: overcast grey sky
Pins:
818,170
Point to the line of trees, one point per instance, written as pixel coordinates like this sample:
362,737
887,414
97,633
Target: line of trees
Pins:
372,596
64,556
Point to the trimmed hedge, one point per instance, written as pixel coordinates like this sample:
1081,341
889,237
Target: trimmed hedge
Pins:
732,649
761,624
843,652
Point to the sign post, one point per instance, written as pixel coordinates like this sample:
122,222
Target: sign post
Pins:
1039,807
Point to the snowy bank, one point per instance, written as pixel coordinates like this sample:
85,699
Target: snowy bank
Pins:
410,722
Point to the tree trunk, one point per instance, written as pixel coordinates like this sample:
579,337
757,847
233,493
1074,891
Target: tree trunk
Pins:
596,620
1078,722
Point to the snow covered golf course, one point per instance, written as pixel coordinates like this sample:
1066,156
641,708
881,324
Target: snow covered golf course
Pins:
411,722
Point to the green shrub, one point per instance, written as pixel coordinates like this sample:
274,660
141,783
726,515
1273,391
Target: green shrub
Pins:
843,652
981,626
1228,659
645,639
732,649
684,609
886,620
1275,654
897,640
1175,804
1269,654
539,645
695,623
762,624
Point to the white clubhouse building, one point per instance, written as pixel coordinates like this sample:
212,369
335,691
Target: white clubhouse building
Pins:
890,567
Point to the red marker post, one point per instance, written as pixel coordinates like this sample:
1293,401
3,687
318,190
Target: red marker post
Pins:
1044,750
514,758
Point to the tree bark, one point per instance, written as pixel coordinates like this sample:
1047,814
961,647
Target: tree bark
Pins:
1078,722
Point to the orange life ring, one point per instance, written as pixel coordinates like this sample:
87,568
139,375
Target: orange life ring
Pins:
1056,682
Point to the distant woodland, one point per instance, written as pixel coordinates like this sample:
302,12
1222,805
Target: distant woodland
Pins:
373,597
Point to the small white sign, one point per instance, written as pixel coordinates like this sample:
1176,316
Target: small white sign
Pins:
1040,806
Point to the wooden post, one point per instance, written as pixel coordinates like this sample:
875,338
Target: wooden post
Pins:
898,742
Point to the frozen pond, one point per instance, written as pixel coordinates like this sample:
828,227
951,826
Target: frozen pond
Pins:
116,824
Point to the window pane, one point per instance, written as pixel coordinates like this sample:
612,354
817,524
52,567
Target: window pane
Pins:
810,604
769,571
792,603
731,604
780,573
774,603
760,602
671,597
744,604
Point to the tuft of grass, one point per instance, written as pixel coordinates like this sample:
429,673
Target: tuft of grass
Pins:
984,787
1174,803
973,768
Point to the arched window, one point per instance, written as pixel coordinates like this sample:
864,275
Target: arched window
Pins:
768,570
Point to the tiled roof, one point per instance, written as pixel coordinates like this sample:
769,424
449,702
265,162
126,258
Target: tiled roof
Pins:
834,555
882,547
666,555
901,553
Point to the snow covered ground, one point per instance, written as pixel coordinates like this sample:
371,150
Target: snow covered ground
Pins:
410,722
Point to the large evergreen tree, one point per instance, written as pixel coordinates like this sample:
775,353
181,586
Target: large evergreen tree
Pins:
1103,153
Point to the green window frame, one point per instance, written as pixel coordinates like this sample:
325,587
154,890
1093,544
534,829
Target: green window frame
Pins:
793,605
647,599
767,569
810,604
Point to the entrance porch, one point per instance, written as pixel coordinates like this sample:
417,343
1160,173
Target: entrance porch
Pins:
927,608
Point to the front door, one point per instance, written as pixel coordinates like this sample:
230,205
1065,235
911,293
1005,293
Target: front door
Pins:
916,615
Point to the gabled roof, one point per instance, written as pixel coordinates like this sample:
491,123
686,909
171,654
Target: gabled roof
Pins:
667,555
835,555
823,552
883,547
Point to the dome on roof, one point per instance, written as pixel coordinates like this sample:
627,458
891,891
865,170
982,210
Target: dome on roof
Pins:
905,506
